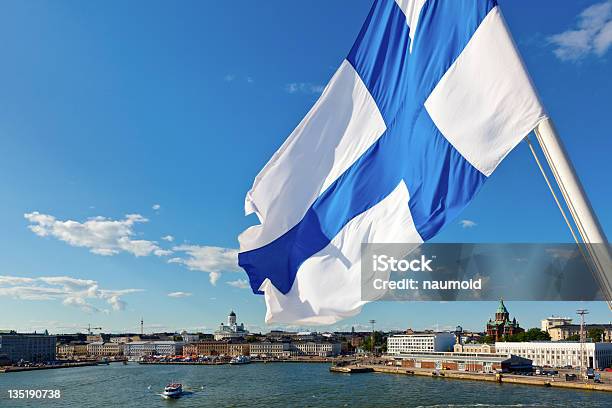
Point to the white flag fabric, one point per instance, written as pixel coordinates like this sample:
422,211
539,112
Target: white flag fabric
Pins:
432,96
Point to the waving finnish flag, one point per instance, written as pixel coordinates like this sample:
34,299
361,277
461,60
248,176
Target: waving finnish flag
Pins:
432,96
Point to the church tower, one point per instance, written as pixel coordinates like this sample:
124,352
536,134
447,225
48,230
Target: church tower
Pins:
502,325
502,315
231,319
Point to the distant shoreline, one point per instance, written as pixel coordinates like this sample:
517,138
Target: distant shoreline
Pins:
14,369
313,360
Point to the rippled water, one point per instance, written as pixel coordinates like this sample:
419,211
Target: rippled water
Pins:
276,385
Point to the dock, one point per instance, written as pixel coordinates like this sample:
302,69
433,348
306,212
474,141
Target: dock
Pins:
461,375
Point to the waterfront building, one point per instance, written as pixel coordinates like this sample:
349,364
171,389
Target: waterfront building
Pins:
559,353
474,348
316,348
473,362
563,332
554,321
271,349
207,348
502,325
107,349
152,348
238,349
32,347
417,342
74,349
231,330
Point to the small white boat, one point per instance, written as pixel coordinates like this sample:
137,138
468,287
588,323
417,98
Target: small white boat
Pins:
174,390
240,360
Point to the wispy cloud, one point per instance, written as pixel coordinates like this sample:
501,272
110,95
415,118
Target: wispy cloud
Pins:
168,238
239,283
592,34
179,294
156,207
304,87
236,78
102,236
210,259
70,291
467,223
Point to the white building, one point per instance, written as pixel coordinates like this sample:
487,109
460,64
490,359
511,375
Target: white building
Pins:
417,342
231,330
559,353
316,348
553,321
151,348
271,349
100,348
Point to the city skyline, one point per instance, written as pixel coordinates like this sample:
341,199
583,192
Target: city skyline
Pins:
129,145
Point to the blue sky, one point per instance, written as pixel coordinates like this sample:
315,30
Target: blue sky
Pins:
124,123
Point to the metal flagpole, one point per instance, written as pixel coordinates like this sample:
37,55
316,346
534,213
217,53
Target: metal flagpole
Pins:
584,217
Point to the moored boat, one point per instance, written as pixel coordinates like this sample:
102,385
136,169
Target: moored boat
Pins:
240,360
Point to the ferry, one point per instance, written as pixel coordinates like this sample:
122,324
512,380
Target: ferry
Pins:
240,360
174,390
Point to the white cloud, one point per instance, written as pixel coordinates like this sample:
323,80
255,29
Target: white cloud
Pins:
592,34
70,291
156,207
179,294
239,283
467,223
304,87
210,259
103,236
229,77
168,238
214,277
80,303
